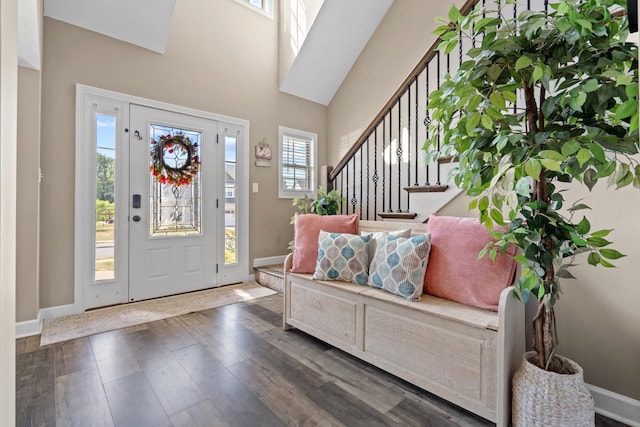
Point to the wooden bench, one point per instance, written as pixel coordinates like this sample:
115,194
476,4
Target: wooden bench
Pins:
463,354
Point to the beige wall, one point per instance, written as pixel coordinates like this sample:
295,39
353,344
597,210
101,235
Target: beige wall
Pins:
27,293
598,316
401,39
221,58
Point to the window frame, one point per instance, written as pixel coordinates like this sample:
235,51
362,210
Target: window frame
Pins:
266,9
313,162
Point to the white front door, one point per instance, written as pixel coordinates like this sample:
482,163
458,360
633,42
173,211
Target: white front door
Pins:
138,235
173,160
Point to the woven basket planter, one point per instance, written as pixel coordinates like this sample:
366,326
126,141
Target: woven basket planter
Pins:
544,398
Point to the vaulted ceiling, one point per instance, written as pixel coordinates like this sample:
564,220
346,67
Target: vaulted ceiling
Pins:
338,34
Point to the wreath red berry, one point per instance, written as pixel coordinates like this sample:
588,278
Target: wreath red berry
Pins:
174,160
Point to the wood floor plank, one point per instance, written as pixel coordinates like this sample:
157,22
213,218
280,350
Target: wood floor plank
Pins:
235,403
133,403
73,356
80,400
287,401
426,413
35,388
172,333
147,348
223,350
347,408
173,386
204,414
113,356
27,344
240,313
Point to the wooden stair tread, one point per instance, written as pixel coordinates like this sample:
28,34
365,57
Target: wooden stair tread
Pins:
426,188
397,215
448,159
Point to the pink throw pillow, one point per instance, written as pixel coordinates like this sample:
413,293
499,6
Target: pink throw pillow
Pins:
454,271
307,230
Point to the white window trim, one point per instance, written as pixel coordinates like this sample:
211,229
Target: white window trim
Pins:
290,194
268,12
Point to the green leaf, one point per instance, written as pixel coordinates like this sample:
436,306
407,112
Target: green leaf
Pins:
593,258
578,206
570,147
584,226
590,85
510,96
552,155
583,156
497,100
522,187
496,215
597,151
454,14
533,168
601,233
552,165
627,109
590,178
472,122
598,242
611,254
538,72
487,122
483,204
523,62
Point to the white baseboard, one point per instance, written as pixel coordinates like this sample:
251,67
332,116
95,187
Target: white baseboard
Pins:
28,328
57,311
616,406
261,262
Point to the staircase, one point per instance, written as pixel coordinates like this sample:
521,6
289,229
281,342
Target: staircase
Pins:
271,276
385,175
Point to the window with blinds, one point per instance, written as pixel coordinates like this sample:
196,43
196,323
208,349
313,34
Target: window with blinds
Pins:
297,175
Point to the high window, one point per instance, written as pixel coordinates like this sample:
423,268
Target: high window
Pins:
297,163
263,6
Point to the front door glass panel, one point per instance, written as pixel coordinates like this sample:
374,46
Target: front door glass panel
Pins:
230,205
105,127
175,192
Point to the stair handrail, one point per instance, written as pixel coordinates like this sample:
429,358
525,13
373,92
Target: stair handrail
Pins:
417,70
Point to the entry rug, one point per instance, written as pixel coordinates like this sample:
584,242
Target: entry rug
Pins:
122,316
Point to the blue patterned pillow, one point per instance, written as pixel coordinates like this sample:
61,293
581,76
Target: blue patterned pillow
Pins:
342,256
399,265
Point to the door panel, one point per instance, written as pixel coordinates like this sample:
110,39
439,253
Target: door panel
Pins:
172,234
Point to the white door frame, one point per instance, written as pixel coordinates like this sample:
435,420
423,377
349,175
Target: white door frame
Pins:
85,184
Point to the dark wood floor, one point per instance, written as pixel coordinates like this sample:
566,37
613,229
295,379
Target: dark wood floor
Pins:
229,366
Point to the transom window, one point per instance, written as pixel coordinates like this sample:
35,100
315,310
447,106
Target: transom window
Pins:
263,6
297,163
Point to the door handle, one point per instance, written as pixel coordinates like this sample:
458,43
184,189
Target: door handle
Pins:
135,203
136,218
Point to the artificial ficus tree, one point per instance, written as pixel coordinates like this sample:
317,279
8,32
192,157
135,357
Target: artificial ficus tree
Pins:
545,98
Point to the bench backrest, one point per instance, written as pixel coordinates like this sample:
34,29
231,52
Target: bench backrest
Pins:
387,226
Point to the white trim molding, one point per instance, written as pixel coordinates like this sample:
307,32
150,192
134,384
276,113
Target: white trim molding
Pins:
272,260
616,406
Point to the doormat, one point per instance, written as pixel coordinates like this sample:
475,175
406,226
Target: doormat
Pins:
122,316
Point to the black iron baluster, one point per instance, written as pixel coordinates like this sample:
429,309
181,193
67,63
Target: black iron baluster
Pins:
384,124
427,121
438,130
375,172
354,200
368,189
390,162
361,183
399,152
416,138
346,197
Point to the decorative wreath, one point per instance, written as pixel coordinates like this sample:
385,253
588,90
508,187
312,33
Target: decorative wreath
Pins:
174,160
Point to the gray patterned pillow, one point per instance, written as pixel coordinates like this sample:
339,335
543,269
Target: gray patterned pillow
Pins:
399,265
378,236
342,256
